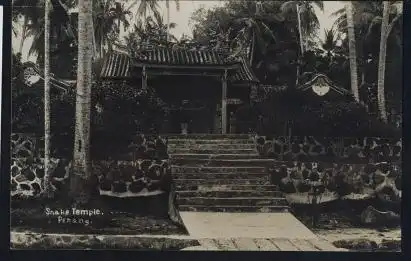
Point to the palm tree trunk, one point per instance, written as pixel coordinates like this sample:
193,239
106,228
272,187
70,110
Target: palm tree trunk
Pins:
79,182
95,54
300,29
301,42
352,50
23,33
47,170
381,65
168,19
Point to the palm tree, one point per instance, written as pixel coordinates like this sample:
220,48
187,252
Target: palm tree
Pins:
168,15
308,20
330,42
253,29
29,11
81,160
60,25
352,50
121,13
151,30
107,18
47,149
144,6
367,16
381,64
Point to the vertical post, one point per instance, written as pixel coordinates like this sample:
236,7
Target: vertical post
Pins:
47,98
224,104
144,79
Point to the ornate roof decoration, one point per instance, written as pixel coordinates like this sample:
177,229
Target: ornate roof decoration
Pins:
321,85
181,56
33,74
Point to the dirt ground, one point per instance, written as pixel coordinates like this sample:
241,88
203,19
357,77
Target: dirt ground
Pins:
376,235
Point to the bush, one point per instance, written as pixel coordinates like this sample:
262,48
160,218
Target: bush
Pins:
126,111
312,116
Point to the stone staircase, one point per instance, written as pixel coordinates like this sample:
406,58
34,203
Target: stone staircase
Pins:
222,173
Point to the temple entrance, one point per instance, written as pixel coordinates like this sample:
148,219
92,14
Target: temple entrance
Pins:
193,103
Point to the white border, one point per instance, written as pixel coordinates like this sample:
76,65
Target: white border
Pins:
1,59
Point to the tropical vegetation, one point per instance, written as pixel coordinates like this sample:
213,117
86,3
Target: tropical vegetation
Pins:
361,53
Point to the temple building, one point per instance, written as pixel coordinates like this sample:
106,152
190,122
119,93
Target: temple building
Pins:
213,83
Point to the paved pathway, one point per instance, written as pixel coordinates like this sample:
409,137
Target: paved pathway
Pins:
252,231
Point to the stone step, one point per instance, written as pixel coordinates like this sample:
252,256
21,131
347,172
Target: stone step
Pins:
224,175
200,169
233,209
224,184
229,193
185,150
223,162
214,156
208,136
194,142
232,201
211,146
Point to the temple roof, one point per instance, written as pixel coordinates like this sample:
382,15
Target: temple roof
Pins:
117,64
183,56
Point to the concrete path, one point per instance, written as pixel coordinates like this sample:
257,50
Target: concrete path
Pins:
251,225
252,231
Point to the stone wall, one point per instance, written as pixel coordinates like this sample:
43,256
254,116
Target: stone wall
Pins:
147,172
343,168
329,149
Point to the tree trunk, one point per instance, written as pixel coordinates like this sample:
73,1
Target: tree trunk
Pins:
47,170
95,54
168,19
352,50
23,33
81,175
300,29
298,69
381,65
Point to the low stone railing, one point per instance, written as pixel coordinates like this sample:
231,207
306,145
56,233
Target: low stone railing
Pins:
146,173
330,149
115,178
345,168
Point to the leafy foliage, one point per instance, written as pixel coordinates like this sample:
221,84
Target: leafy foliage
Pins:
119,111
152,30
107,18
309,115
264,31
63,30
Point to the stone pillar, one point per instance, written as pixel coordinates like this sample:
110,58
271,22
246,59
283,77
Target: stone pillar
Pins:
217,119
224,104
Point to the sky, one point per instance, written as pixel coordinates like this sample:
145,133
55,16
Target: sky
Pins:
187,7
